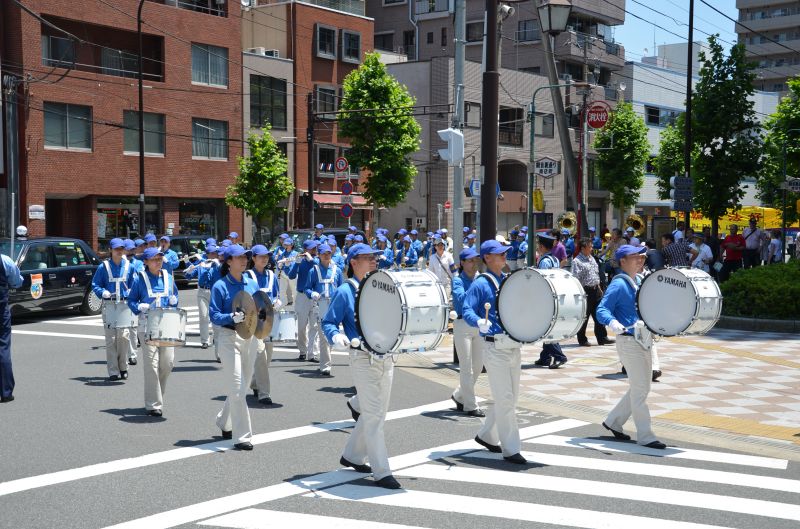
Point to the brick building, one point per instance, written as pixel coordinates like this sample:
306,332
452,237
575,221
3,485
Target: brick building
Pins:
77,114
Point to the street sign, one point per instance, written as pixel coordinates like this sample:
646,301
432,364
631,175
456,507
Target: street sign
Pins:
546,167
447,205
793,185
682,205
347,188
538,200
475,188
680,194
347,211
681,182
341,164
597,115
346,199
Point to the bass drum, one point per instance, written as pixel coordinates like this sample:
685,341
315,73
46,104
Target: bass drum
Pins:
534,304
399,311
675,301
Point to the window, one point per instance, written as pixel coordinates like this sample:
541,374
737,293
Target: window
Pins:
544,125
351,46
429,39
209,139
393,2
37,258
326,158
384,42
326,102
119,63
511,126
444,37
326,42
267,102
472,114
209,65
527,30
67,126
154,132
409,44
57,51
68,254
652,115
660,117
474,31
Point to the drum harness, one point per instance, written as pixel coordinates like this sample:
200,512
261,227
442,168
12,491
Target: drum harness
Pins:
270,275
150,293
117,280
641,334
354,284
500,340
326,284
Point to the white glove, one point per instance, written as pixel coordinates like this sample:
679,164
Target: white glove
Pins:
106,294
617,327
453,315
484,325
308,257
190,268
173,300
143,307
383,257
238,317
277,304
315,296
340,340
298,259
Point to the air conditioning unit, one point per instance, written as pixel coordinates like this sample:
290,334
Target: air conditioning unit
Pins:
272,53
419,222
258,51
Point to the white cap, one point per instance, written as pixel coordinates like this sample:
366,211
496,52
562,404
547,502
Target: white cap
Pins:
22,231
444,230
501,239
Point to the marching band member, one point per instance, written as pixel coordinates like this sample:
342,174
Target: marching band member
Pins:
153,287
337,257
302,304
171,260
372,375
138,266
386,256
284,261
234,417
427,249
618,310
323,280
469,345
417,245
202,271
112,280
261,350
318,232
448,240
348,242
10,277
398,243
501,355
406,255
512,258
233,237
551,356
522,256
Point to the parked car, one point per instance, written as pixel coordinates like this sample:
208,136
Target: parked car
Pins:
300,236
186,246
57,274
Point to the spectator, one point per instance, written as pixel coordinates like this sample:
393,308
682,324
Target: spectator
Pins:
712,243
612,265
677,233
559,250
675,252
655,258
752,251
584,268
702,256
733,246
774,252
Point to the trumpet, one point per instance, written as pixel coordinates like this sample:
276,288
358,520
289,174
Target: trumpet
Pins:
637,223
191,259
569,221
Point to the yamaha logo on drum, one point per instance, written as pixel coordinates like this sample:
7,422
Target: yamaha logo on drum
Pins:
380,285
672,281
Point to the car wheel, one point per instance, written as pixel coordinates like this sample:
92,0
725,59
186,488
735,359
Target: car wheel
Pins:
91,304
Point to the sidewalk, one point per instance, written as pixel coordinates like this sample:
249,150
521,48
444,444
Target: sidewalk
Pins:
738,382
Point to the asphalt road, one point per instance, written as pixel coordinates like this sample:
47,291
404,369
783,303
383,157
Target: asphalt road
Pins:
78,451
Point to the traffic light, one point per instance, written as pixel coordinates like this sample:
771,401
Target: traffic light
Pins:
454,153
681,193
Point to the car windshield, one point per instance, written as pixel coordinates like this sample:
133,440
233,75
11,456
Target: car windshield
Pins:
5,246
299,237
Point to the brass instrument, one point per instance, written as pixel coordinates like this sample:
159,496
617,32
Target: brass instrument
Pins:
637,223
568,221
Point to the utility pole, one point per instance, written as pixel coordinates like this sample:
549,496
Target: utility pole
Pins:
9,88
687,148
583,226
458,120
142,224
311,168
490,104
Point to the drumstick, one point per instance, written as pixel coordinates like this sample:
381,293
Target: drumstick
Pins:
487,306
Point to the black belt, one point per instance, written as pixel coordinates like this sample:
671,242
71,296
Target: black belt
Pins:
460,317
489,338
231,327
627,334
205,288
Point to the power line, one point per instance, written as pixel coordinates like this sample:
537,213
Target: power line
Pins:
750,29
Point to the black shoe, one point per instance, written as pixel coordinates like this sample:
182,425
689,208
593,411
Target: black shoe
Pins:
155,413
542,363
132,361
584,344
255,393
124,375
113,378
314,360
476,413
364,469
607,341
617,435
353,412
459,406
244,446
204,346
266,401
624,372
517,459
227,434
656,374
219,360
557,363
657,445
490,447
388,483
301,357
7,399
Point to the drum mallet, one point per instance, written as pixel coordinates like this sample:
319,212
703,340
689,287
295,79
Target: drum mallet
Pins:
355,343
487,306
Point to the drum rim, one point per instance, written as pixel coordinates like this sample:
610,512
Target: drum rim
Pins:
364,340
497,306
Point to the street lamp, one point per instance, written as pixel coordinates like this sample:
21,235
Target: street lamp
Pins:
553,15
785,191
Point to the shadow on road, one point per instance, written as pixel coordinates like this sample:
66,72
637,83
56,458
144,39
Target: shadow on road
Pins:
98,381
134,415
194,368
343,391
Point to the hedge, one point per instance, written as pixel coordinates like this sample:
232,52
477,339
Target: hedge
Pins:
771,291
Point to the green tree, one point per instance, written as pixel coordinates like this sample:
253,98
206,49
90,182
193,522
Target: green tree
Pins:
382,137
781,130
724,131
670,159
262,181
622,152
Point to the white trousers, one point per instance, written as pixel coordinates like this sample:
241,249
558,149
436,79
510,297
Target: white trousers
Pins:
237,365
133,346
117,350
373,380
469,346
158,362
316,337
215,330
302,307
203,301
500,426
261,351
287,290
638,363
656,361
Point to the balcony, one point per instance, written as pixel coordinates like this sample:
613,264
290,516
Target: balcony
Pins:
428,9
354,7
770,24
570,45
218,8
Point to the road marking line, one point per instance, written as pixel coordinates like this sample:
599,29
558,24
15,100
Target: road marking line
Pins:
700,500
510,510
659,471
732,424
235,502
265,519
59,334
676,452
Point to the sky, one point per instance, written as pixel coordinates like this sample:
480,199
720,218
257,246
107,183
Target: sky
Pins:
637,35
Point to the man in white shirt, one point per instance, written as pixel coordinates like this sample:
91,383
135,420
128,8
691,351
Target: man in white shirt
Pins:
703,258
678,233
752,244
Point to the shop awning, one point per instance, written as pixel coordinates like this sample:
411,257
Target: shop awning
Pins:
334,201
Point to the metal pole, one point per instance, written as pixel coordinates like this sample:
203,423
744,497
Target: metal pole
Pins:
458,120
783,212
311,169
687,148
489,132
142,224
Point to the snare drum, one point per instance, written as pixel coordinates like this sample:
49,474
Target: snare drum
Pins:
118,315
675,301
401,310
284,327
547,304
321,307
165,327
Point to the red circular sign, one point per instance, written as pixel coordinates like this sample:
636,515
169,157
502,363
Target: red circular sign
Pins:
347,188
341,164
447,205
347,211
597,115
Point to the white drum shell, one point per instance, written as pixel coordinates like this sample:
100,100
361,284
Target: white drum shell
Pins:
679,301
401,310
547,305
165,327
284,327
118,315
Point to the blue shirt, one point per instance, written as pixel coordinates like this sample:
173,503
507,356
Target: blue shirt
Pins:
459,287
342,311
513,253
482,291
618,303
338,258
263,282
101,281
300,271
410,255
570,246
597,243
195,271
139,294
389,259
222,293
417,245
171,261
426,251
13,276
211,276
138,265
315,285
548,261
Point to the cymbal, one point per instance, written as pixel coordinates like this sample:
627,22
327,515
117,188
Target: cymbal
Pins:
265,315
243,302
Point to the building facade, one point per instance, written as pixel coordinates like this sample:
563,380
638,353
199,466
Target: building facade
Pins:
75,75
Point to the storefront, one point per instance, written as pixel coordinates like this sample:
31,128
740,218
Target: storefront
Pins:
200,217
119,217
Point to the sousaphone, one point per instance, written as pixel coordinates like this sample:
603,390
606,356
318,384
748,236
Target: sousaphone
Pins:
569,221
637,223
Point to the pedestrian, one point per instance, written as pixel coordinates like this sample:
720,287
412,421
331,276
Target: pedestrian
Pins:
733,246
597,242
372,374
501,355
153,288
585,269
751,257
558,251
467,339
324,279
302,304
612,265
551,356
677,233
632,238
512,257
234,417
675,251
618,310
774,253
10,277
448,241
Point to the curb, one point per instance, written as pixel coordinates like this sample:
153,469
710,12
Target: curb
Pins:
758,325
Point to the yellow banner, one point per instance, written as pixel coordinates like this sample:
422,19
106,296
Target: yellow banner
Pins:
766,218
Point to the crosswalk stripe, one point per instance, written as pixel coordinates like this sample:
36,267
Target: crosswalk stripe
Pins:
659,471
265,519
672,452
59,334
606,489
512,510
